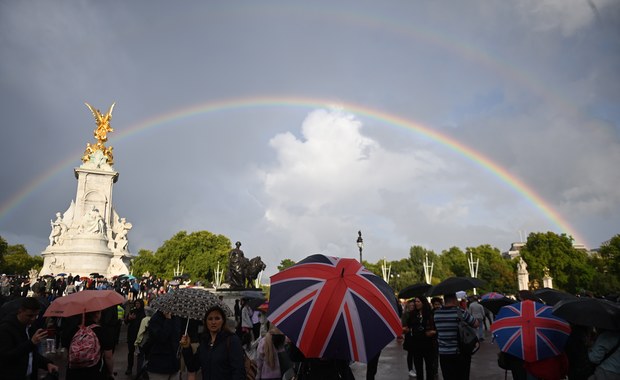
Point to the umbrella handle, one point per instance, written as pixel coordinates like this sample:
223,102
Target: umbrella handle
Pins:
186,326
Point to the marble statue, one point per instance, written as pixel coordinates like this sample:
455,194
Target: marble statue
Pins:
121,229
93,222
523,277
522,265
59,227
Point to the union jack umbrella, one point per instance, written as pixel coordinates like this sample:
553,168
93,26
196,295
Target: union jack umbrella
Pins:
334,308
492,296
529,330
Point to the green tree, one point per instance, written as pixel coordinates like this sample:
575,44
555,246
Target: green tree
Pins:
18,261
497,271
454,263
198,253
569,267
3,247
610,253
607,268
285,263
144,262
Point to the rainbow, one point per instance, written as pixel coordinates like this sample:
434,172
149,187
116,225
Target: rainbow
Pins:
165,119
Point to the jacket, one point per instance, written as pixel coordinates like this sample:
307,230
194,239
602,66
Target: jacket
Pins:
164,337
223,361
15,347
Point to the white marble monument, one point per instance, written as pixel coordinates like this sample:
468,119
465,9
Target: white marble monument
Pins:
90,236
523,276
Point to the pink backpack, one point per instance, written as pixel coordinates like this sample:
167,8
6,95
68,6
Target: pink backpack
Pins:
84,350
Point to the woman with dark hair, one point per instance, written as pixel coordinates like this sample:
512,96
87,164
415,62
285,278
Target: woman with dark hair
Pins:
421,331
100,370
220,355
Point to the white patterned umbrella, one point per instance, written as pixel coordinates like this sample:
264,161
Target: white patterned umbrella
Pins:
189,303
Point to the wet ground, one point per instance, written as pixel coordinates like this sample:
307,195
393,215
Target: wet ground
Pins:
392,363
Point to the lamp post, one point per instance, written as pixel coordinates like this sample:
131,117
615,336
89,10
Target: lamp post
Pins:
360,243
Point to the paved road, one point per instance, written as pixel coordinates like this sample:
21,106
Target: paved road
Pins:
392,363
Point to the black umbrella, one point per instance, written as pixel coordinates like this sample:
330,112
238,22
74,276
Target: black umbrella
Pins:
415,290
586,311
455,284
553,296
497,303
94,274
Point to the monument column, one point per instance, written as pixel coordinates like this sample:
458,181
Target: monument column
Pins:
90,236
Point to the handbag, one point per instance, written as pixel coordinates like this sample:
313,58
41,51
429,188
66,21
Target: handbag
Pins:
285,361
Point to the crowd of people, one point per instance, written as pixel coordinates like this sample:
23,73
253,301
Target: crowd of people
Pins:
164,346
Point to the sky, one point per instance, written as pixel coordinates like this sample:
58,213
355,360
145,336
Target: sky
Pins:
291,125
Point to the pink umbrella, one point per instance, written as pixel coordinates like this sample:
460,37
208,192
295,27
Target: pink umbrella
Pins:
83,302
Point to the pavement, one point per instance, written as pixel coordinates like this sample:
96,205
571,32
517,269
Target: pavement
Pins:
392,362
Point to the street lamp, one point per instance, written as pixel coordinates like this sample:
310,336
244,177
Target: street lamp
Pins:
360,243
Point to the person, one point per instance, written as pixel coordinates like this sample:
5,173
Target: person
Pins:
420,329
477,311
19,355
256,324
454,365
371,367
580,338
104,369
219,355
132,320
141,340
164,334
436,303
246,323
408,338
238,316
603,355
269,352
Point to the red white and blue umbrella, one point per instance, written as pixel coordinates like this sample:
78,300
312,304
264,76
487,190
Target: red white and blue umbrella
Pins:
492,296
334,308
530,331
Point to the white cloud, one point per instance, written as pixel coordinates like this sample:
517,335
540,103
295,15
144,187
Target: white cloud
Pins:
567,16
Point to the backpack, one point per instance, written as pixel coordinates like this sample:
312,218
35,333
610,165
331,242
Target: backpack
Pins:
467,337
85,349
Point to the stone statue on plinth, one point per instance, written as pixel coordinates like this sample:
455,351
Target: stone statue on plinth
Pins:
242,272
523,277
236,258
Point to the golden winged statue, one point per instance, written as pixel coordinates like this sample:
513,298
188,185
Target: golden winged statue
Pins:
101,134
103,123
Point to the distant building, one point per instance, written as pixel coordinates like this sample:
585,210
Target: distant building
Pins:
515,249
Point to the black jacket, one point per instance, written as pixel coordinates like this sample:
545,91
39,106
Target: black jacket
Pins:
164,337
15,347
223,361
